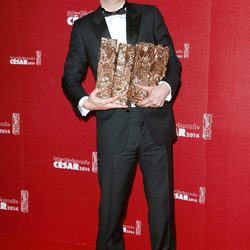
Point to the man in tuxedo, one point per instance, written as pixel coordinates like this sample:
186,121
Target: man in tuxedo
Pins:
125,135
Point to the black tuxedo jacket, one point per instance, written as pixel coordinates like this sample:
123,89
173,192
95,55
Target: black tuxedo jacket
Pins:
144,23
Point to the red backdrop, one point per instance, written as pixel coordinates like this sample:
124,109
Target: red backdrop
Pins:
48,180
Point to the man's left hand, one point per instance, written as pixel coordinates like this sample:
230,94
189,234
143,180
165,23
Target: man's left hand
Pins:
157,96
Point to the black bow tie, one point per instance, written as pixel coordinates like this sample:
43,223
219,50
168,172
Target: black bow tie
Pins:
121,11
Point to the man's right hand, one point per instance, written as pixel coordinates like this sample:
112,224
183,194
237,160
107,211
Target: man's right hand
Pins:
96,103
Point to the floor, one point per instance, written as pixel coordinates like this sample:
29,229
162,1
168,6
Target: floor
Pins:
17,243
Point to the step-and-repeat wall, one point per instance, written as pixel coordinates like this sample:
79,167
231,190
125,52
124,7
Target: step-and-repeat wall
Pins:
48,163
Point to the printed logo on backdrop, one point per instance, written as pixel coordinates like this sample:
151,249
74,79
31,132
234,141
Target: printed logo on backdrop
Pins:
199,197
184,52
94,162
72,15
195,131
66,163
71,164
133,229
11,127
30,61
16,205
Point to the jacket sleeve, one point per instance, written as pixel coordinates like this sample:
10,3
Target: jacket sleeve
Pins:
75,69
163,37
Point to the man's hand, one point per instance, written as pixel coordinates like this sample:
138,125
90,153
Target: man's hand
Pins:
157,96
96,103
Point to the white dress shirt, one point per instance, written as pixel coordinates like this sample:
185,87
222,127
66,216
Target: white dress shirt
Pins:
117,30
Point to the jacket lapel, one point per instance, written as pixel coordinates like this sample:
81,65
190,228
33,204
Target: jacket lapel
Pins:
99,25
133,20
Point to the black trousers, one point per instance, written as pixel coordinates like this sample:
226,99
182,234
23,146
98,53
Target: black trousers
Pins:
116,175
